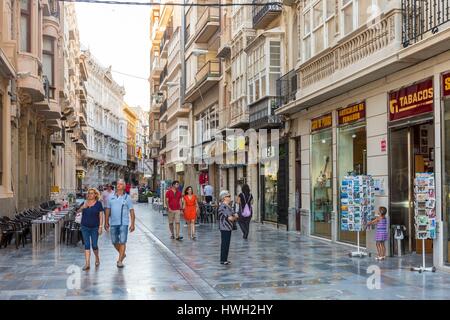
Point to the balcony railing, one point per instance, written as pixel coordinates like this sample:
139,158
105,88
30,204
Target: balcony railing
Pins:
163,142
163,74
211,15
262,113
209,69
360,47
165,38
264,11
163,108
287,87
187,35
58,138
422,17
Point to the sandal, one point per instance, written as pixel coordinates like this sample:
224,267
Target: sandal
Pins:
86,268
172,237
97,263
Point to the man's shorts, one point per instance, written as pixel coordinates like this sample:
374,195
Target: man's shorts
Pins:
119,234
174,216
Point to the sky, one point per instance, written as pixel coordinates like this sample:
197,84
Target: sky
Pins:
118,35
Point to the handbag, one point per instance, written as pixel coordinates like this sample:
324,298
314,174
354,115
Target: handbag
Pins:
78,217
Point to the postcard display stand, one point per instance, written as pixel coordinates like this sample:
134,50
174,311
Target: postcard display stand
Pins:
357,206
424,212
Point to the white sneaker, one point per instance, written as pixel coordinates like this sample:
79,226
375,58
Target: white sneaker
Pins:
120,264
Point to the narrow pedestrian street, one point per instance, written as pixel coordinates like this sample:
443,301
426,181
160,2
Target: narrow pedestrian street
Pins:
272,264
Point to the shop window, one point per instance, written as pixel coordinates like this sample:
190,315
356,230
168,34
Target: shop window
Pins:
322,189
25,25
269,172
352,160
48,63
446,182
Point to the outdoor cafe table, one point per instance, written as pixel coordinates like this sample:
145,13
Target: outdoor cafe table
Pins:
39,227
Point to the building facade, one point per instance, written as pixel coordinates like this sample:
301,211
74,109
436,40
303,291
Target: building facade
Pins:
143,167
343,87
131,171
107,125
70,144
366,93
31,58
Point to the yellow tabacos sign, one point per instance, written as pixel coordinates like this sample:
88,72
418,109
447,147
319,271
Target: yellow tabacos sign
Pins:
412,100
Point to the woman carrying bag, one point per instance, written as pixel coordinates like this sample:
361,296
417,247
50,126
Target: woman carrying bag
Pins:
244,201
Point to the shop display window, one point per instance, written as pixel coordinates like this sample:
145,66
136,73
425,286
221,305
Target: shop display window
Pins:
352,160
321,180
446,182
270,185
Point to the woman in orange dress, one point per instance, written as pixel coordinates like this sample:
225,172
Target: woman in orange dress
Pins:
190,208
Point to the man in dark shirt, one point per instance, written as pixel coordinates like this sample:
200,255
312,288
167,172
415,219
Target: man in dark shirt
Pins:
173,206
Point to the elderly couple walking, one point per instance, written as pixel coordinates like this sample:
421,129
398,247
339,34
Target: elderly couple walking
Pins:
119,219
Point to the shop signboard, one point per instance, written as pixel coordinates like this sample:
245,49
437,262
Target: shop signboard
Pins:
179,167
412,100
352,113
322,122
446,84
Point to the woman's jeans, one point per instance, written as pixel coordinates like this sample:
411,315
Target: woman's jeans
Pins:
225,245
90,234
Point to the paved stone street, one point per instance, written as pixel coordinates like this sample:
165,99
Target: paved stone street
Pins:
272,264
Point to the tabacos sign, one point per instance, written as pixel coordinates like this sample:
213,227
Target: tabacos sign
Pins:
412,100
446,84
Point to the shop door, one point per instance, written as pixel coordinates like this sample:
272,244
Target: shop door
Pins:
401,211
282,195
408,156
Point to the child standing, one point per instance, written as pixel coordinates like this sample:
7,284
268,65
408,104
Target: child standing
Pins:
381,233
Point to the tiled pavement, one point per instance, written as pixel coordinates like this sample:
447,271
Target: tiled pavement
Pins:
272,264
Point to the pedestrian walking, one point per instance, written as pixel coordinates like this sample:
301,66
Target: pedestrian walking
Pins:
381,232
208,190
106,194
119,219
91,225
244,202
173,206
190,209
227,218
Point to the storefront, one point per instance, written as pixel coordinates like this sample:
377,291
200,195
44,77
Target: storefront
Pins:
321,175
274,184
446,161
352,155
269,187
411,141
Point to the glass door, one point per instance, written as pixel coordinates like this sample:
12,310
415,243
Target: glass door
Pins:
401,201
